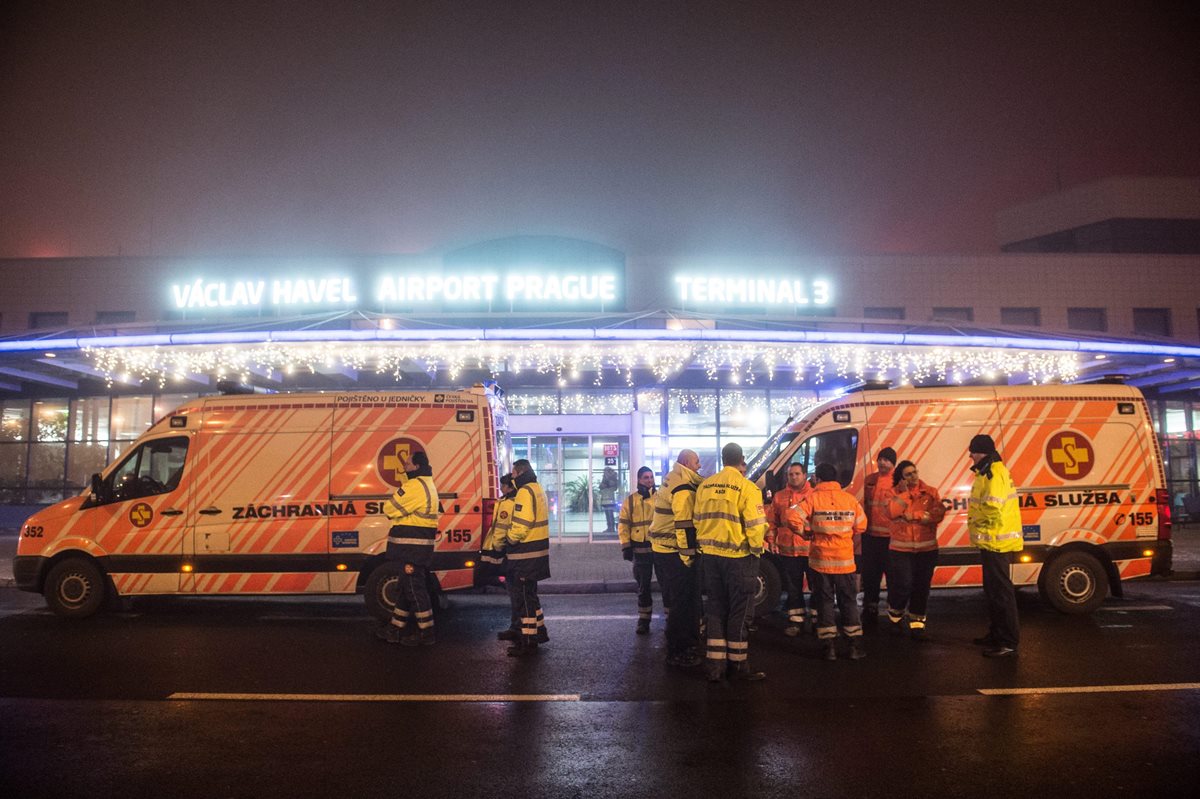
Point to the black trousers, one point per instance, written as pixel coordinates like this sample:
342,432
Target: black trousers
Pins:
643,573
794,571
910,575
728,611
1003,625
413,611
663,562
826,588
683,588
526,609
873,565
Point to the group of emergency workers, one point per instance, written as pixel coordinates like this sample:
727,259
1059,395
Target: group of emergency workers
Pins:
705,536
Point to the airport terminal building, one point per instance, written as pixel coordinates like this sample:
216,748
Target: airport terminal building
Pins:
608,358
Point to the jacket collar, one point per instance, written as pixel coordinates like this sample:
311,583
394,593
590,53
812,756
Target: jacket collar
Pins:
525,479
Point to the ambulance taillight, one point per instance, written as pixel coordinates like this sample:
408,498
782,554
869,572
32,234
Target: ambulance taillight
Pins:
489,509
1163,500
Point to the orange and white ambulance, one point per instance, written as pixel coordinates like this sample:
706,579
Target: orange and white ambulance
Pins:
1094,507
271,494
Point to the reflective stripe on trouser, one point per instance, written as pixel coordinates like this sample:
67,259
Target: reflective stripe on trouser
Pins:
839,587
683,587
873,565
728,609
794,572
527,607
400,616
643,572
413,597
910,575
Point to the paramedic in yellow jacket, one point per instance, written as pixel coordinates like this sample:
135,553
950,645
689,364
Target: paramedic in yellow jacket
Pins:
494,544
414,512
528,554
633,528
730,528
673,547
994,522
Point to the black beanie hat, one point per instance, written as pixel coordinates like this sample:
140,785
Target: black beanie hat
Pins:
983,444
887,453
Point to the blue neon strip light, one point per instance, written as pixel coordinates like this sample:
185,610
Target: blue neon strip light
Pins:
599,335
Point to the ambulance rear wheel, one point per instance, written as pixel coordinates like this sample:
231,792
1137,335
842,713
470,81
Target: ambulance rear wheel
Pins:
74,588
768,589
1074,582
382,589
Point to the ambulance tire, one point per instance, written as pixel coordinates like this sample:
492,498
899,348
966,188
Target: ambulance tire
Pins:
380,590
770,587
1075,582
75,588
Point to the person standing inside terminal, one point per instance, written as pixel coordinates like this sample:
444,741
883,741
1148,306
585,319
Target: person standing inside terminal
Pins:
633,529
414,512
916,510
673,544
791,548
609,483
730,530
994,522
831,517
877,491
528,553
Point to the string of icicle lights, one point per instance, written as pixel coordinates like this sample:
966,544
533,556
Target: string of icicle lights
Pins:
583,363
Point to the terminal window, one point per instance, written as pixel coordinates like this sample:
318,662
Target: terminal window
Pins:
114,317
1021,317
955,314
1094,319
883,313
1152,321
40,319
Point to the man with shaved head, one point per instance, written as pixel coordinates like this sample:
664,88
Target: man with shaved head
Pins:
673,547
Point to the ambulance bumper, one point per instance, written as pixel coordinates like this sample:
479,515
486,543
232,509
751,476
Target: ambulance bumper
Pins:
27,571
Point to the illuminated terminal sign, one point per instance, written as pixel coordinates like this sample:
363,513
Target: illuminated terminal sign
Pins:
525,289
716,290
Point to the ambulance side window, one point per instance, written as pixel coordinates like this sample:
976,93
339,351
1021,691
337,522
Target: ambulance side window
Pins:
153,468
839,447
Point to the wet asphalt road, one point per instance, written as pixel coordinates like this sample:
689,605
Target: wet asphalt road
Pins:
93,707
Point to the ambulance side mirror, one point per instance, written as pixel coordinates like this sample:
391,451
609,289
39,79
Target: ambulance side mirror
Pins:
98,492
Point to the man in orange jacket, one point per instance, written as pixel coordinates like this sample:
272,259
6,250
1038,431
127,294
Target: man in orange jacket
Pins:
877,491
830,517
916,510
791,548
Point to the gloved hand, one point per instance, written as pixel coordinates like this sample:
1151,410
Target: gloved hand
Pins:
627,553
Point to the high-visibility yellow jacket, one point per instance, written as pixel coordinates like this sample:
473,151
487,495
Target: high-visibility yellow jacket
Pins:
528,536
673,512
497,536
832,517
781,539
633,525
414,512
993,512
877,492
916,514
730,522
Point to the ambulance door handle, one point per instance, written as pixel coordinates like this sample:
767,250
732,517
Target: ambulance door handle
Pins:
210,511
171,512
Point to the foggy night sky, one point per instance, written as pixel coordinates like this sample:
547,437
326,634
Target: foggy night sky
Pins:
173,128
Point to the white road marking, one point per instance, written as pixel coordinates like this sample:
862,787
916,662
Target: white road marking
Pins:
377,697
622,617
1114,625
1120,609
1092,689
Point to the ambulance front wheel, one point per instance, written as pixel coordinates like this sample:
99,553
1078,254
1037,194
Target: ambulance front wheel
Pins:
1075,582
381,590
768,589
74,588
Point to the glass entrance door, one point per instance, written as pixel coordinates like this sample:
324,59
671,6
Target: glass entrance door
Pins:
585,479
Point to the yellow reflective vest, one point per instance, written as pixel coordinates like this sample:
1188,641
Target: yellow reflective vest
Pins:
497,536
993,512
633,525
414,512
528,536
673,512
730,522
